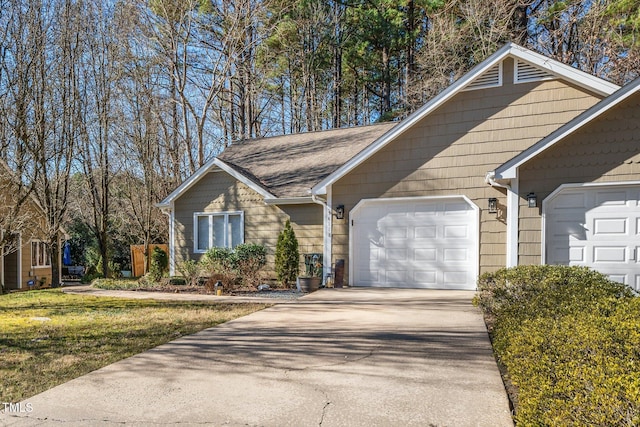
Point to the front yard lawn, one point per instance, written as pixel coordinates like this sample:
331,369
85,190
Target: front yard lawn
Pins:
48,337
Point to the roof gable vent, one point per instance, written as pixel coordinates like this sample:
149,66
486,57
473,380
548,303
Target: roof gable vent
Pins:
490,78
525,72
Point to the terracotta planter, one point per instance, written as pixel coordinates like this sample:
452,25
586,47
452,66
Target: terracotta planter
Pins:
308,284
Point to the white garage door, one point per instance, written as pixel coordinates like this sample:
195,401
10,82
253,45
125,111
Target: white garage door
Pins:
415,243
596,226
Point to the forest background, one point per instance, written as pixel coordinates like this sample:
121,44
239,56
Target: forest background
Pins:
106,107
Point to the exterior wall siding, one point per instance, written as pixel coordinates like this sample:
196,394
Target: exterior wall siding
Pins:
220,192
450,151
33,229
606,150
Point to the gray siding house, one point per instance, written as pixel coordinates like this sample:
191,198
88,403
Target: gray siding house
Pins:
475,180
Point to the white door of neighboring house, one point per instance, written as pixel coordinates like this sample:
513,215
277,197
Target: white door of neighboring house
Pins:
415,243
596,226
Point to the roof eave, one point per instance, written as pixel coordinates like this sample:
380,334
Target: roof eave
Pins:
289,200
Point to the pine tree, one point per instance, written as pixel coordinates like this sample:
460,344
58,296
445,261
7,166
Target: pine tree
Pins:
287,255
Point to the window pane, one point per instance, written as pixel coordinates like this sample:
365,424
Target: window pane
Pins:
218,231
203,233
34,253
42,254
235,230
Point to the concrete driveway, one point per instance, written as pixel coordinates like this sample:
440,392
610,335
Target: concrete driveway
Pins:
338,357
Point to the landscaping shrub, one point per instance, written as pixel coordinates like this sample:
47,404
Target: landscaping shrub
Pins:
159,264
191,270
569,339
240,266
118,284
249,258
287,256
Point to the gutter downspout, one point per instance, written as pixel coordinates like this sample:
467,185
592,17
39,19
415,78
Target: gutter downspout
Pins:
513,214
327,219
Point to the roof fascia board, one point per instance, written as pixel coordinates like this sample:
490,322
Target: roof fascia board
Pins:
571,74
289,201
510,49
508,170
206,168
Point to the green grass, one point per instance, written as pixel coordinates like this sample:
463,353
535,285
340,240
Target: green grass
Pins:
48,337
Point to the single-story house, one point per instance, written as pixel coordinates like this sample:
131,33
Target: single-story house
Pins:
24,258
487,174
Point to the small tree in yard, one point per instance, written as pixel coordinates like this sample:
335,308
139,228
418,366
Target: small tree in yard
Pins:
287,255
159,264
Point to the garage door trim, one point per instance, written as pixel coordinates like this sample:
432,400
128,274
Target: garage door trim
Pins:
367,202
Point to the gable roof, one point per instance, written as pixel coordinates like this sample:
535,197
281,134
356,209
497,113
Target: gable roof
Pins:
508,170
288,166
550,66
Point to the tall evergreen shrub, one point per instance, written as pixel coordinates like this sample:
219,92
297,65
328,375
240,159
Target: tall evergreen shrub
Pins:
287,256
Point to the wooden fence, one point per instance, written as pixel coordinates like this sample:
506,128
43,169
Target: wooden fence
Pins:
138,258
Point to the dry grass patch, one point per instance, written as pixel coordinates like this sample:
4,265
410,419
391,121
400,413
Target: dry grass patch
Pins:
48,337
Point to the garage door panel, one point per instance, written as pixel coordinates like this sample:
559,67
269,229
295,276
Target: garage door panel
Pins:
456,232
426,232
425,277
607,254
456,208
609,226
621,278
415,242
424,254
396,276
455,254
597,227
611,198
571,201
453,279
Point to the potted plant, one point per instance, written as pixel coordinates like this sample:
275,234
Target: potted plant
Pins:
313,273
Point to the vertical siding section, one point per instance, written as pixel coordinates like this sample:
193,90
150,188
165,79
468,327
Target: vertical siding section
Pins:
606,150
220,192
450,151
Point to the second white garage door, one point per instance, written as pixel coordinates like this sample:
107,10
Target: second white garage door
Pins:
596,226
415,243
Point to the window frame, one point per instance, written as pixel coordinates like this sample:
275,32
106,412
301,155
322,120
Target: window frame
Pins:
39,245
210,216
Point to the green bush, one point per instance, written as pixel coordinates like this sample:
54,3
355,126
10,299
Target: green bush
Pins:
241,265
249,259
159,264
569,339
287,256
190,270
117,284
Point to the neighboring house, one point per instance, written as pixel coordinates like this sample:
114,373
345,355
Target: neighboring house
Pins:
25,257
417,193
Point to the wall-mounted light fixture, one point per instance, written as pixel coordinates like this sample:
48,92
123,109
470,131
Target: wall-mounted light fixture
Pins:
532,200
340,212
493,205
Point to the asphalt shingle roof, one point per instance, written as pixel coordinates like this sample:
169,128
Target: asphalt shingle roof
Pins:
289,165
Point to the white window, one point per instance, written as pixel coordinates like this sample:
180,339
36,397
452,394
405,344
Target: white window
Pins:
40,256
220,229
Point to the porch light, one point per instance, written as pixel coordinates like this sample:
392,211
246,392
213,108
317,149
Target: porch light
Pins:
532,200
340,212
493,205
